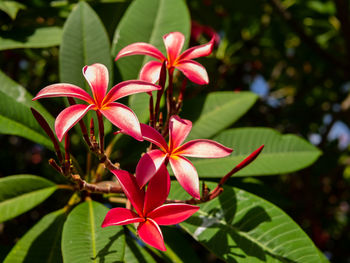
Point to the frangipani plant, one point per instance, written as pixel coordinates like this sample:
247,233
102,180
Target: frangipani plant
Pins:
232,223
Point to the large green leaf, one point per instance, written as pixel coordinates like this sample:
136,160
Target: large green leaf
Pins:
84,42
20,193
15,115
282,153
216,111
84,240
147,21
31,38
42,243
134,253
241,227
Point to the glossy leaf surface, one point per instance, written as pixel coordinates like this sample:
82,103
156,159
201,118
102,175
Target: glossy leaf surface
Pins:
15,115
41,37
84,42
42,243
281,154
241,227
84,240
20,193
217,111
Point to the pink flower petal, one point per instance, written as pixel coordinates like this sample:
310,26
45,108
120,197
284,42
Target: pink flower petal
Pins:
173,42
140,48
186,174
131,189
151,234
151,71
203,149
97,77
127,88
69,117
148,165
64,90
171,214
194,71
178,130
157,190
120,216
152,135
197,51
124,118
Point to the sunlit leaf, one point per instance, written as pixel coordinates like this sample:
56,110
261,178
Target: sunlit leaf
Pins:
84,240
281,154
41,37
215,112
20,193
241,227
42,243
11,8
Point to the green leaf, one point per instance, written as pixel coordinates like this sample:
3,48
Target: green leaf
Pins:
147,21
41,37
84,240
20,193
84,42
281,154
241,227
134,253
15,115
216,111
11,8
42,243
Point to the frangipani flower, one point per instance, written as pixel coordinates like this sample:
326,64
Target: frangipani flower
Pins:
97,77
183,169
150,211
173,42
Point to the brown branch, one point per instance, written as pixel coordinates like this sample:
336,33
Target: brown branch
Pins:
105,187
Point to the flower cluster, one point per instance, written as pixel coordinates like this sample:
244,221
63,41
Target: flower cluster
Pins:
149,189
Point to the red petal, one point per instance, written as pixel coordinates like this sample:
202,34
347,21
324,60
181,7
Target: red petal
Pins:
157,190
127,88
131,189
64,90
171,214
124,118
178,130
140,48
152,135
120,216
151,71
151,234
186,174
97,77
198,51
69,117
194,71
148,165
203,149
173,42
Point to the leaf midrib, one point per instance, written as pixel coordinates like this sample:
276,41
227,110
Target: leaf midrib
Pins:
92,229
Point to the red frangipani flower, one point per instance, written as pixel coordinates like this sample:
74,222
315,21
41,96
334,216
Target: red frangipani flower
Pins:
184,170
150,211
173,42
97,77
